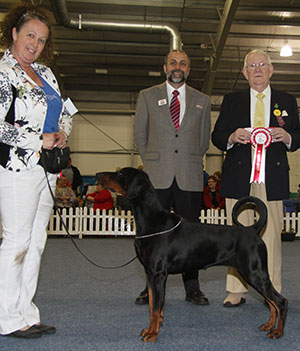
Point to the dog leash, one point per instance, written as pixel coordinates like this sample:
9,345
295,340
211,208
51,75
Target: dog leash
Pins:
70,236
159,233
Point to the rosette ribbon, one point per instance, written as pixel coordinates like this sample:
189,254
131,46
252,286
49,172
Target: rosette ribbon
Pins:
261,139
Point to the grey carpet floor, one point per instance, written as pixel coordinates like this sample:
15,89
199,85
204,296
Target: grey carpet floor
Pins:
93,309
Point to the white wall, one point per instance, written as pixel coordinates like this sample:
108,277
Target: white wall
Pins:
214,158
294,161
94,151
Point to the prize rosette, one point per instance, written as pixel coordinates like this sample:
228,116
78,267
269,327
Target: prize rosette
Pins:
261,139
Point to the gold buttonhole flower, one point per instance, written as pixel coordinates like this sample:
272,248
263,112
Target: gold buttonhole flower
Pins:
277,112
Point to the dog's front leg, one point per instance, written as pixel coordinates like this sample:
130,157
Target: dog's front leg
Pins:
151,333
156,293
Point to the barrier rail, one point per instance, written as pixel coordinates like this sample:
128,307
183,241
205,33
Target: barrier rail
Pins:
84,221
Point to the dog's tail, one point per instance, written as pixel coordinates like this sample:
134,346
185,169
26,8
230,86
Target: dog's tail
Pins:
262,210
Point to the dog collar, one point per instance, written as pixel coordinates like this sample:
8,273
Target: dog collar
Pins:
159,233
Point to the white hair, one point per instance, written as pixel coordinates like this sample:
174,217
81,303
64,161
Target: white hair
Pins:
257,52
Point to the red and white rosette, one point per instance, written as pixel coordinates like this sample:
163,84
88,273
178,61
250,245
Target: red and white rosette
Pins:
260,139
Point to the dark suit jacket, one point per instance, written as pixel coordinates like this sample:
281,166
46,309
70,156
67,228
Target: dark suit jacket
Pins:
236,170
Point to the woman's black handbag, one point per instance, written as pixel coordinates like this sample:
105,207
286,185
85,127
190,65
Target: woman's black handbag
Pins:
55,160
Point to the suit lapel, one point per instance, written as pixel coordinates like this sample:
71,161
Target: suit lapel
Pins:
244,117
275,99
164,109
189,98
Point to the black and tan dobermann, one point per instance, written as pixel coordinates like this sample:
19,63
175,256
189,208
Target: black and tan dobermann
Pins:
167,244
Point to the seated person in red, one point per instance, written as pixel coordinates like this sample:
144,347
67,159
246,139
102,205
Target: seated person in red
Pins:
101,198
211,195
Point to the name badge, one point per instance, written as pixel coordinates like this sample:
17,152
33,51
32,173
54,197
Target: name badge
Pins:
162,102
68,104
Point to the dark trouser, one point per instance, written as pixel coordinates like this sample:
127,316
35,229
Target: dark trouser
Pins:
187,204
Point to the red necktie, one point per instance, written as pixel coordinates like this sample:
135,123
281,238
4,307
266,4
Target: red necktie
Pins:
175,109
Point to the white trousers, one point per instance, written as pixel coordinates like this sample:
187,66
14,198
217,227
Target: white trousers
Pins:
271,235
25,207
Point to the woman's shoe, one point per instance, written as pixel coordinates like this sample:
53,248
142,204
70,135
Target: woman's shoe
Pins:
30,333
45,329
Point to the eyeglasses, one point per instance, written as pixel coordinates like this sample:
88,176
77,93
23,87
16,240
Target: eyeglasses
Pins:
261,65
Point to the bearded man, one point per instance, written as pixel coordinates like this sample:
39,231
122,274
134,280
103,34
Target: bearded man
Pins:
171,133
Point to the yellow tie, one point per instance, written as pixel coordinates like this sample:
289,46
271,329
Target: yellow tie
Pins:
259,114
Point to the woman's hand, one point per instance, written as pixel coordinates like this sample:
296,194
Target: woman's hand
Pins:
51,140
61,139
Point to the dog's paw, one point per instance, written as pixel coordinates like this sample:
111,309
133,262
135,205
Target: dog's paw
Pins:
275,334
148,336
266,327
144,331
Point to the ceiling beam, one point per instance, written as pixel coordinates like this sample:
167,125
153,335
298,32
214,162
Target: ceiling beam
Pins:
224,27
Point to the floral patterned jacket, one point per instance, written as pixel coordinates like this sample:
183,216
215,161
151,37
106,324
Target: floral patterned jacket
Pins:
25,136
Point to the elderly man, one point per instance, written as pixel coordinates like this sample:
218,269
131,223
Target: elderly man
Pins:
267,119
171,132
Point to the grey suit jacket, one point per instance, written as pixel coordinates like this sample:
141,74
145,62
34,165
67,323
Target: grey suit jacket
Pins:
166,153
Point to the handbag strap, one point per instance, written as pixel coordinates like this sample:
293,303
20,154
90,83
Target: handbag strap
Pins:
10,118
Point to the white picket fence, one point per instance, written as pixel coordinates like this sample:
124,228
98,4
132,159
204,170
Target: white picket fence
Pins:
83,221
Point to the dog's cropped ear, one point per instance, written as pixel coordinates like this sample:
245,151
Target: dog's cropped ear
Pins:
137,186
